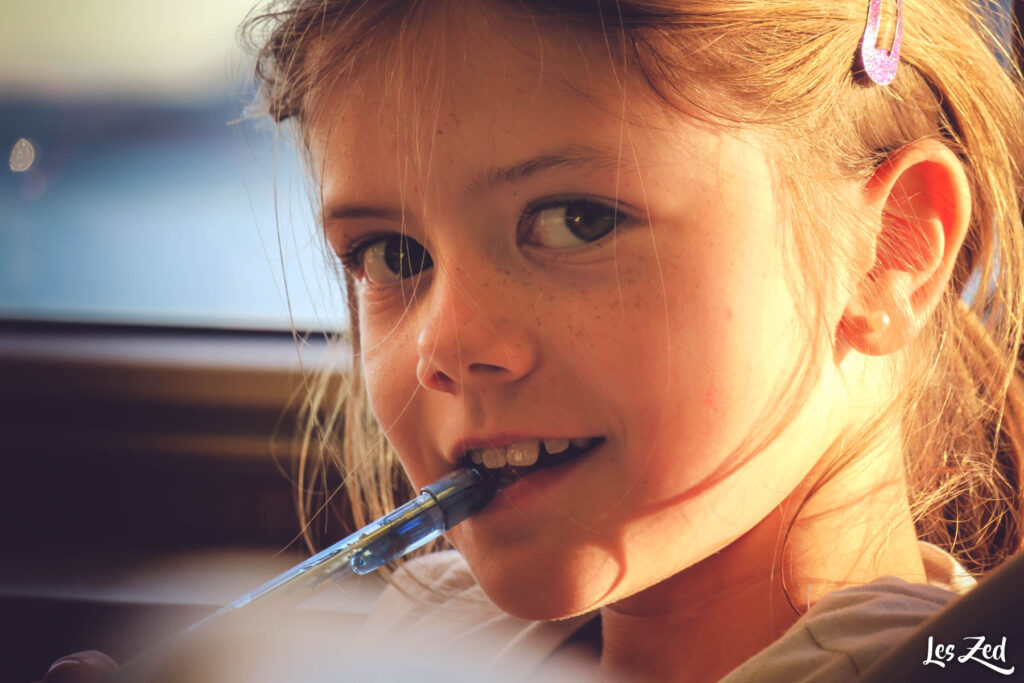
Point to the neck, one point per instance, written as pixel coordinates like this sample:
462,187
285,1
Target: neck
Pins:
708,619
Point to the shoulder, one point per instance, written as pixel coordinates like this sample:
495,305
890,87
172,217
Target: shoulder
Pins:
434,602
849,629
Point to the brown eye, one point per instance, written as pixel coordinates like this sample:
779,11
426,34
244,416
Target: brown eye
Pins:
573,223
393,258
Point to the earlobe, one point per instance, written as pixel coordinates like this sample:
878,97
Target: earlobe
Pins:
922,197
878,319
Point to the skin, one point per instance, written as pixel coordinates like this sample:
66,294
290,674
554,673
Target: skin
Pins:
671,338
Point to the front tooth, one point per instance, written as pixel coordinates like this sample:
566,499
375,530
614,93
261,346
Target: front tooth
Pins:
494,458
523,453
580,443
553,446
477,456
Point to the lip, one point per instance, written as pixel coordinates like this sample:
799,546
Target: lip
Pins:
457,454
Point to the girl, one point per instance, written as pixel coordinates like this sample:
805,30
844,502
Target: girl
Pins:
727,294
750,303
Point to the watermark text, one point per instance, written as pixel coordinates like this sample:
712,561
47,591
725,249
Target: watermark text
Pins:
975,649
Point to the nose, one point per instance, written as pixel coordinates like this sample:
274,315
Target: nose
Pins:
471,337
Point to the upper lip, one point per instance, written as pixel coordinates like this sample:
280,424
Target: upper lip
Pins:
458,452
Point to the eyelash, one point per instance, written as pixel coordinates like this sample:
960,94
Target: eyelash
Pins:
351,255
576,254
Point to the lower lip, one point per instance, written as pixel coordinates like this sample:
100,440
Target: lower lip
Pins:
540,485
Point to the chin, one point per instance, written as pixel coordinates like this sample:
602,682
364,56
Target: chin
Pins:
543,604
545,590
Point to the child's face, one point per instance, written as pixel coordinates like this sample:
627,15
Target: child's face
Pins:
666,335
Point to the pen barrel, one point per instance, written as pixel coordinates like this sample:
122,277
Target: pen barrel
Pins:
438,508
461,493
416,523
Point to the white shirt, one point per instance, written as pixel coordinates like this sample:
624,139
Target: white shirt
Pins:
435,603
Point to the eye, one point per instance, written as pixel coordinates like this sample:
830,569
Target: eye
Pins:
568,223
388,259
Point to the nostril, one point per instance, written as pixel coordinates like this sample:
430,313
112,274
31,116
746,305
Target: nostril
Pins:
486,368
442,382
435,380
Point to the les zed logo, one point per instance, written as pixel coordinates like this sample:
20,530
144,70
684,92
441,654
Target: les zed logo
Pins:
980,651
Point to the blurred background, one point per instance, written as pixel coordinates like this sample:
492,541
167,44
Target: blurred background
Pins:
136,191
157,248
156,252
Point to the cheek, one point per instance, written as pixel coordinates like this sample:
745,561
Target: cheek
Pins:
692,363
388,364
387,353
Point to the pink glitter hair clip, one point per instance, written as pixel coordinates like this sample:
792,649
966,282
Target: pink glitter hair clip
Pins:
880,65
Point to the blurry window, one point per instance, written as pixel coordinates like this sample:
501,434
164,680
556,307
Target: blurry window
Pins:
130,190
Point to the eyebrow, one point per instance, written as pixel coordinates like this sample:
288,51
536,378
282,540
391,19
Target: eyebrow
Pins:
356,211
571,156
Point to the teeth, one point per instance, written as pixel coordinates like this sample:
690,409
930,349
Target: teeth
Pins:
523,453
553,446
494,458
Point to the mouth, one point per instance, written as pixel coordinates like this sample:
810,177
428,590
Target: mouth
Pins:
505,465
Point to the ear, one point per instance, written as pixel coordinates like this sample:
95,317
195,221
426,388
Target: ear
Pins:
922,196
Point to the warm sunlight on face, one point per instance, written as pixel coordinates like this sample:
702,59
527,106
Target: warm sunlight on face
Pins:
568,275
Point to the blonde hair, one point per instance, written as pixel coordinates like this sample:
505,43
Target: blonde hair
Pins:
789,67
